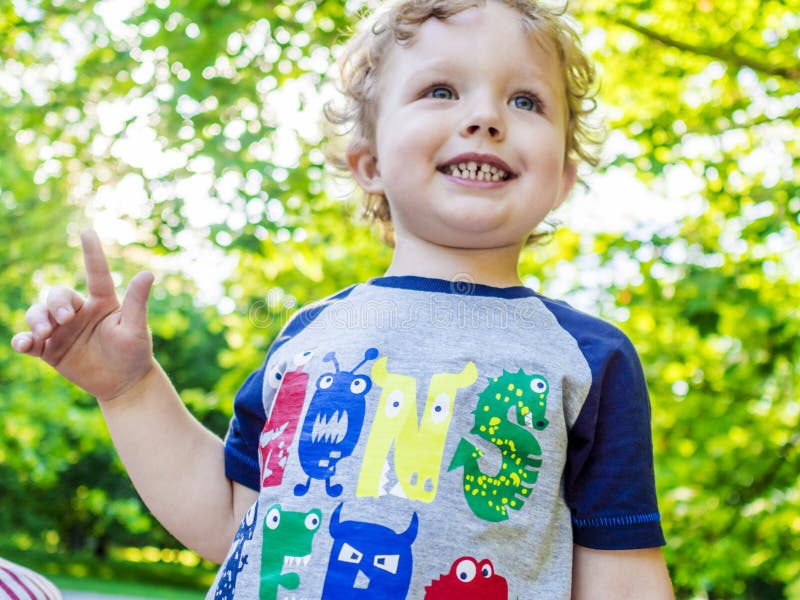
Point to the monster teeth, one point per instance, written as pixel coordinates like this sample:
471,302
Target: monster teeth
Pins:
330,430
296,561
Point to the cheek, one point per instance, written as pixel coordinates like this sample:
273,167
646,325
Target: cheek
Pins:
409,137
407,152
545,152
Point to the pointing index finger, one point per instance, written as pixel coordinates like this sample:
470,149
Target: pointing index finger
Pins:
98,275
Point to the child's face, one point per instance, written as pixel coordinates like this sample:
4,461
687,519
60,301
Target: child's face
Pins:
476,88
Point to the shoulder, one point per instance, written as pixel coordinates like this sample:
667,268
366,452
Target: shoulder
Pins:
294,325
307,314
597,338
311,311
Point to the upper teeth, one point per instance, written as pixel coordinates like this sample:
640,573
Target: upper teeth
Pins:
479,171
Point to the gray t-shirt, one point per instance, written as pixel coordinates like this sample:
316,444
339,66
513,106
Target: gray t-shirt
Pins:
420,438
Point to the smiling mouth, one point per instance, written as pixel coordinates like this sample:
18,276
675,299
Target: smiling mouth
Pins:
475,171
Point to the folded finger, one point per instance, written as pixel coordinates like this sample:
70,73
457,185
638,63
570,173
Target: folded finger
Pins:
63,303
25,343
22,342
38,319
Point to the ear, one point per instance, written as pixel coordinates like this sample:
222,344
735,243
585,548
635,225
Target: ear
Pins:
568,179
363,164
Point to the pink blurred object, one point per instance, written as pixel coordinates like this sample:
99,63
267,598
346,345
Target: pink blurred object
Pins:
19,583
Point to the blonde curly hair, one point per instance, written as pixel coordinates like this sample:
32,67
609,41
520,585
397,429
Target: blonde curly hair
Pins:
353,118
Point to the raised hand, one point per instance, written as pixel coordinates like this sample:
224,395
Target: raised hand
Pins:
98,344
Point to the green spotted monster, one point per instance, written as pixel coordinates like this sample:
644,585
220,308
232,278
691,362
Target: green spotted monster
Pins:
287,541
504,409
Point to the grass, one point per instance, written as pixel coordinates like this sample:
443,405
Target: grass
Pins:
84,572
126,588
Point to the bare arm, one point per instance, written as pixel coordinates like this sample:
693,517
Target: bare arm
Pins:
105,348
177,466
620,574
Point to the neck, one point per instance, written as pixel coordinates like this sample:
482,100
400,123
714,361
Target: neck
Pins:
488,266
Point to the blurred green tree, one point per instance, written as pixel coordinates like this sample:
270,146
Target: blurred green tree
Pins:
708,90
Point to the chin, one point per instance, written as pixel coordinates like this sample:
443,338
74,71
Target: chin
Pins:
489,231
477,239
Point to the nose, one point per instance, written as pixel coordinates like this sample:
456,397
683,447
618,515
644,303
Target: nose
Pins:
485,119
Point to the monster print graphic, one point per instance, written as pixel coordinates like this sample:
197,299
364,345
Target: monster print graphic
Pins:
333,423
237,560
281,424
368,560
524,395
417,450
287,541
468,579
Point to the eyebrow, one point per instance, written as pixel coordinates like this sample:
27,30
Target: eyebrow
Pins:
444,67
437,65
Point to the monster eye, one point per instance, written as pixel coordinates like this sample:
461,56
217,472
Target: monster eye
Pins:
486,569
394,403
312,521
251,515
349,554
325,381
387,562
465,570
273,518
440,408
302,358
274,378
538,385
358,385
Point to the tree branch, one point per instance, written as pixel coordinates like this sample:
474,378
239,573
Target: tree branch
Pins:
723,54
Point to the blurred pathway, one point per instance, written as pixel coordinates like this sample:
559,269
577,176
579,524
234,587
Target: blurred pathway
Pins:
93,596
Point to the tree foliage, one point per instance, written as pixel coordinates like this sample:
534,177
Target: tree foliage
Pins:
714,309
192,125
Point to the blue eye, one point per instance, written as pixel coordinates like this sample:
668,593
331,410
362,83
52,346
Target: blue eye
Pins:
526,103
441,93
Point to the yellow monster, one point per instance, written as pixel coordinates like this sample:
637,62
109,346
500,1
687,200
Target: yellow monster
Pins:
417,449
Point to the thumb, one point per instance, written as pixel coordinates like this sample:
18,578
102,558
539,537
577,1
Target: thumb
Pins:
134,305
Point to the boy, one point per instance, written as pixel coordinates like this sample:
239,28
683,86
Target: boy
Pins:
415,436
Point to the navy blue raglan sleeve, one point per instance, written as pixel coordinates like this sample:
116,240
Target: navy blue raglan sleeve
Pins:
609,477
609,480
241,441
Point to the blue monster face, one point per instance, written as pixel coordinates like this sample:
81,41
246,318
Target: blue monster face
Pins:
368,560
338,412
333,423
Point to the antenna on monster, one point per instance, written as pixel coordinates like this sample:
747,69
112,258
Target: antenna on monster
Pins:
331,357
370,354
